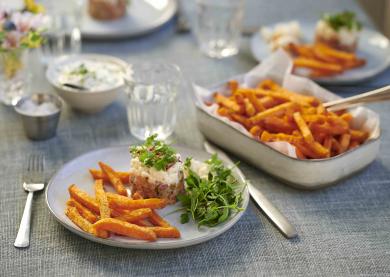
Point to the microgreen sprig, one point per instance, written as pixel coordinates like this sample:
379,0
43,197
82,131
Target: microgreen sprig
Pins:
155,153
210,201
344,19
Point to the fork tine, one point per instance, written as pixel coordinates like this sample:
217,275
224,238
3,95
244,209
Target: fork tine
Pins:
42,162
30,163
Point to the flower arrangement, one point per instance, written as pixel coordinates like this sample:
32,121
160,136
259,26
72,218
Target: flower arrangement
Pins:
19,32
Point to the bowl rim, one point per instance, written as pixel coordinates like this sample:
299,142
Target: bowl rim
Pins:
62,59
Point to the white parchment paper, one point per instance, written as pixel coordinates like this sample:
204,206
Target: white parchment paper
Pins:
278,67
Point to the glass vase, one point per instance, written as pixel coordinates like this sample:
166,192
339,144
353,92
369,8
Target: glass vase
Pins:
14,75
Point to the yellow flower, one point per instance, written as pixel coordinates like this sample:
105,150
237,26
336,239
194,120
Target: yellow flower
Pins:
33,7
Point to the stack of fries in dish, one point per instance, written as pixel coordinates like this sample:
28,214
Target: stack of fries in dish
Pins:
108,212
322,60
272,113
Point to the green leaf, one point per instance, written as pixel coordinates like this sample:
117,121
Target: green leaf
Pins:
184,218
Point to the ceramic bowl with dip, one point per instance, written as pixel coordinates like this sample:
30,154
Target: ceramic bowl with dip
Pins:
87,82
40,114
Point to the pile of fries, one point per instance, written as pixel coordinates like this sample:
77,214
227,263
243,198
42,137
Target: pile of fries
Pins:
107,212
323,61
272,113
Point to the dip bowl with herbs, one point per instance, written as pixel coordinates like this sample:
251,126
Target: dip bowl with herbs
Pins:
88,82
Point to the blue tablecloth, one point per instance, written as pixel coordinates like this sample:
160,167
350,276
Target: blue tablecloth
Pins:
343,229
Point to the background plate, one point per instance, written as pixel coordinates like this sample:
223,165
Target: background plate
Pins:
373,46
142,16
76,172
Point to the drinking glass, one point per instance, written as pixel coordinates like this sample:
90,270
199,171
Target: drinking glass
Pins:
151,91
218,26
63,34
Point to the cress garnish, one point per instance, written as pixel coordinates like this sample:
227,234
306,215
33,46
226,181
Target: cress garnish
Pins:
155,153
210,201
346,19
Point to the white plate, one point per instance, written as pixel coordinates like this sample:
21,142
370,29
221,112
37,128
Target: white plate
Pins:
76,172
373,46
142,16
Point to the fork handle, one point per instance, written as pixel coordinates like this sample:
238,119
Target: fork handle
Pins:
23,236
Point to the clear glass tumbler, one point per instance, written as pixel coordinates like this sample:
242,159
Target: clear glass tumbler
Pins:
151,91
63,36
218,26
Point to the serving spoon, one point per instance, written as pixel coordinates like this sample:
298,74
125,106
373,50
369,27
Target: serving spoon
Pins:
377,95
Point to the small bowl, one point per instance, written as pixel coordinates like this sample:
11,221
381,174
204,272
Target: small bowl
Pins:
86,101
40,127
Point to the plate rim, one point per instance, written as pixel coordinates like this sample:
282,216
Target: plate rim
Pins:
143,244
330,80
158,23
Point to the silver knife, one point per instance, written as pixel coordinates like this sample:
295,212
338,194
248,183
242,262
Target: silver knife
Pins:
273,214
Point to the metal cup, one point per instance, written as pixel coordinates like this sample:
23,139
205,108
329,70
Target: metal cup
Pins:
40,127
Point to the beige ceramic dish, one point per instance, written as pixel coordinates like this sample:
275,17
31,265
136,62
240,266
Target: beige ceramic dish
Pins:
305,174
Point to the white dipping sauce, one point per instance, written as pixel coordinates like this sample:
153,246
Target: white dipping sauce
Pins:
91,74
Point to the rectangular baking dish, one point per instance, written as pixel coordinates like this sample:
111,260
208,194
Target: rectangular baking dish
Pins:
303,174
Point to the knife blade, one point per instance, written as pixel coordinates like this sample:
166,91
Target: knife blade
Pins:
272,213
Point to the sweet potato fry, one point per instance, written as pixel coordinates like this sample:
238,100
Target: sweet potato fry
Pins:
132,216
157,220
359,136
268,102
98,174
144,223
336,147
319,150
256,131
336,54
222,111
83,211
165,232
268,84
268,137
115,180
227,103
242,120
301,50
260,116
315,64
255,102
233,86
81,222
345,139
305,131
278,125
353,144
328,143
123,202
102,200
347,117
83,198
249,108
126,229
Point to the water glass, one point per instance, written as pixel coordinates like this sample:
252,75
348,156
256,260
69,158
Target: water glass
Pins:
63,34
218,26
151,91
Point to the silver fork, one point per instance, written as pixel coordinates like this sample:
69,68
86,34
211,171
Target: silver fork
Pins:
34,174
